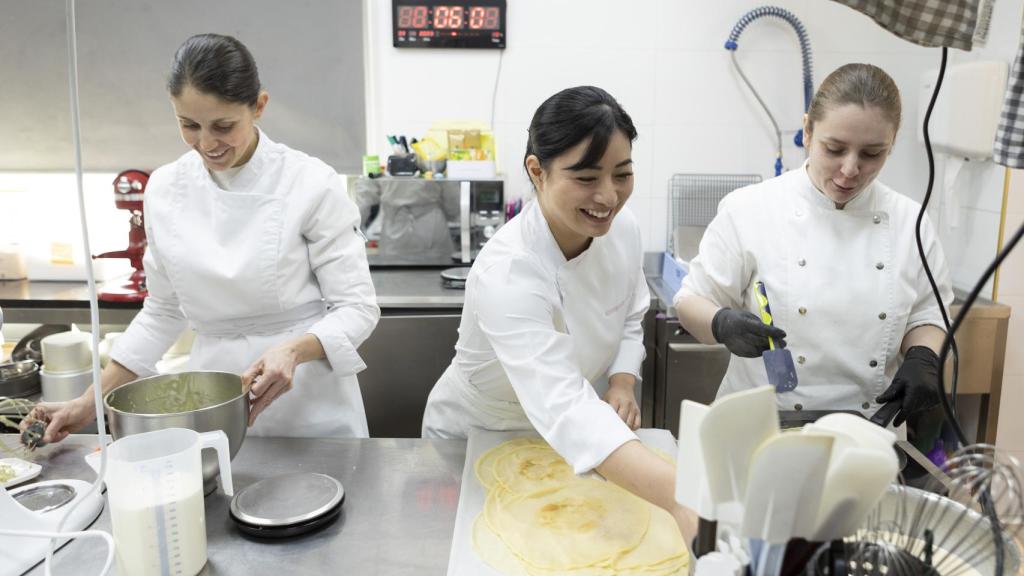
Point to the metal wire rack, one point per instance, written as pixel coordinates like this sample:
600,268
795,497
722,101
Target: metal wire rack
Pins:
693,198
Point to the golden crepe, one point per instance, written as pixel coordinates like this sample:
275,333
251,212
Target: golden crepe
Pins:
531,467
540,519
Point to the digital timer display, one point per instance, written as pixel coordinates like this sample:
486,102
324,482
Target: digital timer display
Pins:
449,17
439,24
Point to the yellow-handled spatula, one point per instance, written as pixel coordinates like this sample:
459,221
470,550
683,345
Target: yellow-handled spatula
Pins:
778,362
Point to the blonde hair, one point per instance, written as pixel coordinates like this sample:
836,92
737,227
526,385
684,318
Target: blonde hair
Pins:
862,84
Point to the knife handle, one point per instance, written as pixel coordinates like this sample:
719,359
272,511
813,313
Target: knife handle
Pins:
886,413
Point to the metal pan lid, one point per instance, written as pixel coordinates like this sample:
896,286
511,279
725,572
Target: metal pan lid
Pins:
458,273
287,500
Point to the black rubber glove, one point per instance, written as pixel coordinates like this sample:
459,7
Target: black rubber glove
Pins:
743,333
915,385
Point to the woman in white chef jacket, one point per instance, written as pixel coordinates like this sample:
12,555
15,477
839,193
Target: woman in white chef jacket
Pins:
554,303
256,247
835,249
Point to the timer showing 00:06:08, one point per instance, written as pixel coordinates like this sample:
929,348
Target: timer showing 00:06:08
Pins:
449,17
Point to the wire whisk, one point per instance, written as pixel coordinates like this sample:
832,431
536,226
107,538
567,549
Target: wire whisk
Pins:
964,522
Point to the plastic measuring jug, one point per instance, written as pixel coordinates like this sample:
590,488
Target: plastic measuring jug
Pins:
155,489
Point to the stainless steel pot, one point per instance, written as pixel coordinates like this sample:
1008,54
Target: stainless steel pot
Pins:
202,401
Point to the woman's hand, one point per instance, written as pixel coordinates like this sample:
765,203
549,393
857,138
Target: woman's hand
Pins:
621,398
687,521
61,418
271,375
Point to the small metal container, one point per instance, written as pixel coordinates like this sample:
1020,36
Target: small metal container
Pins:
19,379
64,386
202,401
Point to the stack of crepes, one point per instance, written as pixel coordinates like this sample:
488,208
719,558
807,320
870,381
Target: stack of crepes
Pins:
540,519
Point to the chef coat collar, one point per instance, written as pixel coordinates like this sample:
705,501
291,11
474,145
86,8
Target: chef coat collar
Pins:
538,236
864,201
251,169
249,172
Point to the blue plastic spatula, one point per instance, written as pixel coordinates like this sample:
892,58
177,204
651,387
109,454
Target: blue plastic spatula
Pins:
778,362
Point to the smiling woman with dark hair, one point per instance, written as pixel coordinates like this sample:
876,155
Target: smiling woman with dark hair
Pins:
554,304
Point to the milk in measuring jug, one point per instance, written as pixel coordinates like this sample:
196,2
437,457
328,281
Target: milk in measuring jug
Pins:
163,538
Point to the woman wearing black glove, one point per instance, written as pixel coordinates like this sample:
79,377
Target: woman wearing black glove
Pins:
835,249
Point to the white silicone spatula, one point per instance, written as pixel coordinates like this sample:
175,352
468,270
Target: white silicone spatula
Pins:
734,427
784,487
691,475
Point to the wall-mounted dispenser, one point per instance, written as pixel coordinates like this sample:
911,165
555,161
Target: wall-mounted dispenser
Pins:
966,113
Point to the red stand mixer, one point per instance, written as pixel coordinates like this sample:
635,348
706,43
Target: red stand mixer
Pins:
129,186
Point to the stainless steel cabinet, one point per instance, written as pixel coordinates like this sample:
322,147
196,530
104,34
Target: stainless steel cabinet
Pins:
404,356
685,369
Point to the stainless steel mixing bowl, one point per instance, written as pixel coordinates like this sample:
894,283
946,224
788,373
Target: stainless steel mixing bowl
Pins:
202,401
901,517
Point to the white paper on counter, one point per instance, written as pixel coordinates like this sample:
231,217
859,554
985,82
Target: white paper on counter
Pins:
463,560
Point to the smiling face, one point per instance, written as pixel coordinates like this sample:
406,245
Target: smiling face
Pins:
579,203
847,149
222,132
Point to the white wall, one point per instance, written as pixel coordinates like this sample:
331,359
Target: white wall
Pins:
970,232
665,62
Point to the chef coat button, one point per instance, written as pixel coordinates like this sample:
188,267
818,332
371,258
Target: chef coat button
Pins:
802,310
798,407
879,265
873,363
866,405
801,262
877,220
799,213
881,316
800,359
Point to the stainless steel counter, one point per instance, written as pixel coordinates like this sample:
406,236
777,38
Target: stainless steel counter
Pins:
33,302
401,496
414,288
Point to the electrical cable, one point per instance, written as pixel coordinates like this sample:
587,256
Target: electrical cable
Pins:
949,343
94,319
949,407
107,538
494,94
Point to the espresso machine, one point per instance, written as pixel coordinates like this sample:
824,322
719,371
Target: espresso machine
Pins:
129,187
481,213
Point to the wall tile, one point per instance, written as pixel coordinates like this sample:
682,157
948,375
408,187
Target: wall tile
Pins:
1011,274
704,24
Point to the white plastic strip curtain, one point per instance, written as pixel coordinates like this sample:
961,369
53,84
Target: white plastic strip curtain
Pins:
952,23
1009,147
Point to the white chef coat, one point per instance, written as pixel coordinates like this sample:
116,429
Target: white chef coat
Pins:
277,256
846,285
537,331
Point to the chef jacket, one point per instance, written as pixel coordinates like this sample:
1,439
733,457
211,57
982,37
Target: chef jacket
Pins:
538,330
846,285
276,256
